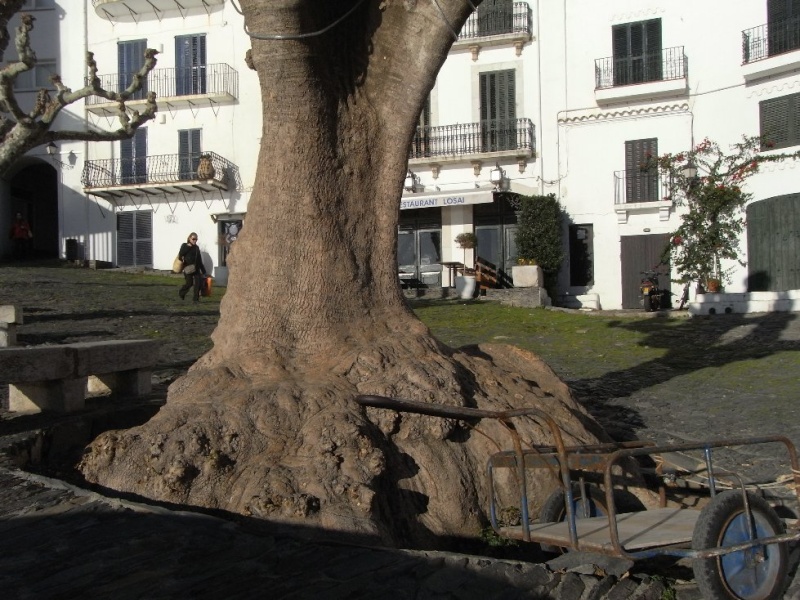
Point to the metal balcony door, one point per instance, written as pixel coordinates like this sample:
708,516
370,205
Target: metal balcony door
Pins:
133,155
130,58
135,239
190,64
498,110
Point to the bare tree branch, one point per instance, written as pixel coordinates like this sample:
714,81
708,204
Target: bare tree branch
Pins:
21,131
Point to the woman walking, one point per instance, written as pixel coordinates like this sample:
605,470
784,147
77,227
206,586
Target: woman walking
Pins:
193,267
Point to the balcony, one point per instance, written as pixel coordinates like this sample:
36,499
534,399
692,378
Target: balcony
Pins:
191,86
497,28
770,49
158,175
136,10
640,191
490,140
654,75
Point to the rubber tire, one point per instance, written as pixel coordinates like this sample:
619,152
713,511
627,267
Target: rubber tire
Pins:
554,508
728,577
655,301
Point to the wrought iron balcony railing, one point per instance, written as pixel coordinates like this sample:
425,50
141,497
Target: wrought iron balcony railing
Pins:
670,63
493,135
163,169
638,185
209,80
771,39
485,23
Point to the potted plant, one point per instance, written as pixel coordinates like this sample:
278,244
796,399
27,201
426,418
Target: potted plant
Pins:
205,168
527,273
465,283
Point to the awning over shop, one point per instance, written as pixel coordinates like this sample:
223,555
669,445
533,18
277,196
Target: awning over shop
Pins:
440,199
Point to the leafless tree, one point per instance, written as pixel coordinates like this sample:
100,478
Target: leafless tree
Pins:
20,131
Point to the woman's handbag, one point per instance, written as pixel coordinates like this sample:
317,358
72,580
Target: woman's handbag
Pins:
189,269
177,265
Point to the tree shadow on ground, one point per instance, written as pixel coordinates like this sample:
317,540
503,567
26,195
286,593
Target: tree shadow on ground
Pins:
695,344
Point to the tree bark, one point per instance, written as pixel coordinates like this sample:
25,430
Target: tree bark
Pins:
265,424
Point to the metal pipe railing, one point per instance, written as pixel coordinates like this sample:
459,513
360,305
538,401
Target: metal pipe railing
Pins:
770,39
491,135
483,23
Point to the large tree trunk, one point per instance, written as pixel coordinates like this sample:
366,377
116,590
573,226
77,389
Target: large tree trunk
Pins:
265,424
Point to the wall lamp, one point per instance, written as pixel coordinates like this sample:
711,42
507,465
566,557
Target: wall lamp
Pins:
497,177
52,152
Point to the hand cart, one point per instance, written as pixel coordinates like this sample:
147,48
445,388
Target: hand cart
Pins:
737,541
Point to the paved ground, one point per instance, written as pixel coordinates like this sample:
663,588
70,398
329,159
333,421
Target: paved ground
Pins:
60,542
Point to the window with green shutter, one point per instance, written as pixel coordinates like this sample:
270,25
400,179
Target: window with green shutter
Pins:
498,110
130,58
783,26
780,121
133,157
188,153
637,52
641,171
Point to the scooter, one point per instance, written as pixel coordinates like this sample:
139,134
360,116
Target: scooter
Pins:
652,296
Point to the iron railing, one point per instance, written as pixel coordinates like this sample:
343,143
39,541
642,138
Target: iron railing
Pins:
668,64
185,81
485,23
770,39
162,168
638,185
492,135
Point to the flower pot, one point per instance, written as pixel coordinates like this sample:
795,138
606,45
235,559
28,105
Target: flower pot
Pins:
713,286
465,286
527,276
205,169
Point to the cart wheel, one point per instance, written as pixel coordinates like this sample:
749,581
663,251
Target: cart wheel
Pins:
554,509
758,573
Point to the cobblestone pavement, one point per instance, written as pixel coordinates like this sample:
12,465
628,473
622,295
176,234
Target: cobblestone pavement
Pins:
57,541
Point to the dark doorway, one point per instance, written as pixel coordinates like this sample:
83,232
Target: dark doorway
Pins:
496,228
642,253
34,193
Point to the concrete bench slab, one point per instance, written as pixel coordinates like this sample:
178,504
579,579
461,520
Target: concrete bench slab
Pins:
57,378
10,318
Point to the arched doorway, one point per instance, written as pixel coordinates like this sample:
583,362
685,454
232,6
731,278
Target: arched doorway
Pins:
33,191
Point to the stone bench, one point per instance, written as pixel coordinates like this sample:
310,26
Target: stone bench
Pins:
58,378
10,317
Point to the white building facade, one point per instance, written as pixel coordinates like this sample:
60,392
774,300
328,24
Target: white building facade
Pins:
564,98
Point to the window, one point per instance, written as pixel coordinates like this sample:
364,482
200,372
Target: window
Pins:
498,111
36,78
135,239
190,64
133,156
780,121
581,255
637,52
783,26
130,58
641,171
188,153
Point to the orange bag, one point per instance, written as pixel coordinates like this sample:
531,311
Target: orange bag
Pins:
205,288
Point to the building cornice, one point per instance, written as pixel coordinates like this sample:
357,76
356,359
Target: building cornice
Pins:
594,115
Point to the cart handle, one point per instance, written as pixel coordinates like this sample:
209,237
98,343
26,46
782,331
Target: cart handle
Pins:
466,413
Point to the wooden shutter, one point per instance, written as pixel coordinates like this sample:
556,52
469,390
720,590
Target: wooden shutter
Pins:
780,121
130,58
190,64
189,152
143,242
641,174
133,155
125,239
498,110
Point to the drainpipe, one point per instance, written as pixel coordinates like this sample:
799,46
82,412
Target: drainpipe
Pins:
541,117
86,243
